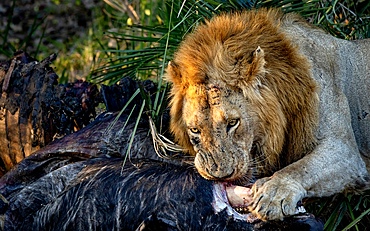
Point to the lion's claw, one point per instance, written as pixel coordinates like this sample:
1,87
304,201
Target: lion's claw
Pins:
275,198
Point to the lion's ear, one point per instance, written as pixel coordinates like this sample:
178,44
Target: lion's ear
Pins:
252,70
173,73
258,63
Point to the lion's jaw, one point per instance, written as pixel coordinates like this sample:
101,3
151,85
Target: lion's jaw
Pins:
220,128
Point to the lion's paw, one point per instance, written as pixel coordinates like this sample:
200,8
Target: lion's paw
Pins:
274,198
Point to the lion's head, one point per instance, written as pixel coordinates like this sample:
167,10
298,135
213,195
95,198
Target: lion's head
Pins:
242,96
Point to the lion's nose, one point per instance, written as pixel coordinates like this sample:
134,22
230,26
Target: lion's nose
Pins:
209,168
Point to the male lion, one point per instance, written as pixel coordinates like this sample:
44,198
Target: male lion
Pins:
262,93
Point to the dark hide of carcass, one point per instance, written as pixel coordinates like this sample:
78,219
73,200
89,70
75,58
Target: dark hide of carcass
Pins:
101,194
72,188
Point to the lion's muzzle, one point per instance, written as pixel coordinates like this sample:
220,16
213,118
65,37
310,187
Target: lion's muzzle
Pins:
212,169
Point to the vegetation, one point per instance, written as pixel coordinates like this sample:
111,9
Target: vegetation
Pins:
137,40
41,28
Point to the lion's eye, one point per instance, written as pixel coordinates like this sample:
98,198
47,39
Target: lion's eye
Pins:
232,123
194,130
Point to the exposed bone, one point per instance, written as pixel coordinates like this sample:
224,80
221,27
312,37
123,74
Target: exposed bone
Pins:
239,196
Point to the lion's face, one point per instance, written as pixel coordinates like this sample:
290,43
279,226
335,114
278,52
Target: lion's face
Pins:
241,99
222,128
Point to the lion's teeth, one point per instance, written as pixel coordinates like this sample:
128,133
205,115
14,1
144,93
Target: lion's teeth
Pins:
242,210
300,209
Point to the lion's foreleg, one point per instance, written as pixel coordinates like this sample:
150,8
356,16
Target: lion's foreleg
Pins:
331,168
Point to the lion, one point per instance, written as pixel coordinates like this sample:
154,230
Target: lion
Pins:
262,93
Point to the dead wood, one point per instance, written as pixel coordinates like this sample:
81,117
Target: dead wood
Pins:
34,109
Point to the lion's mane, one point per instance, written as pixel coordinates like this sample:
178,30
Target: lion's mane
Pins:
279,80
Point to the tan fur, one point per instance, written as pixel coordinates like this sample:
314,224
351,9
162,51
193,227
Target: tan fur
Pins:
252,92
285,85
